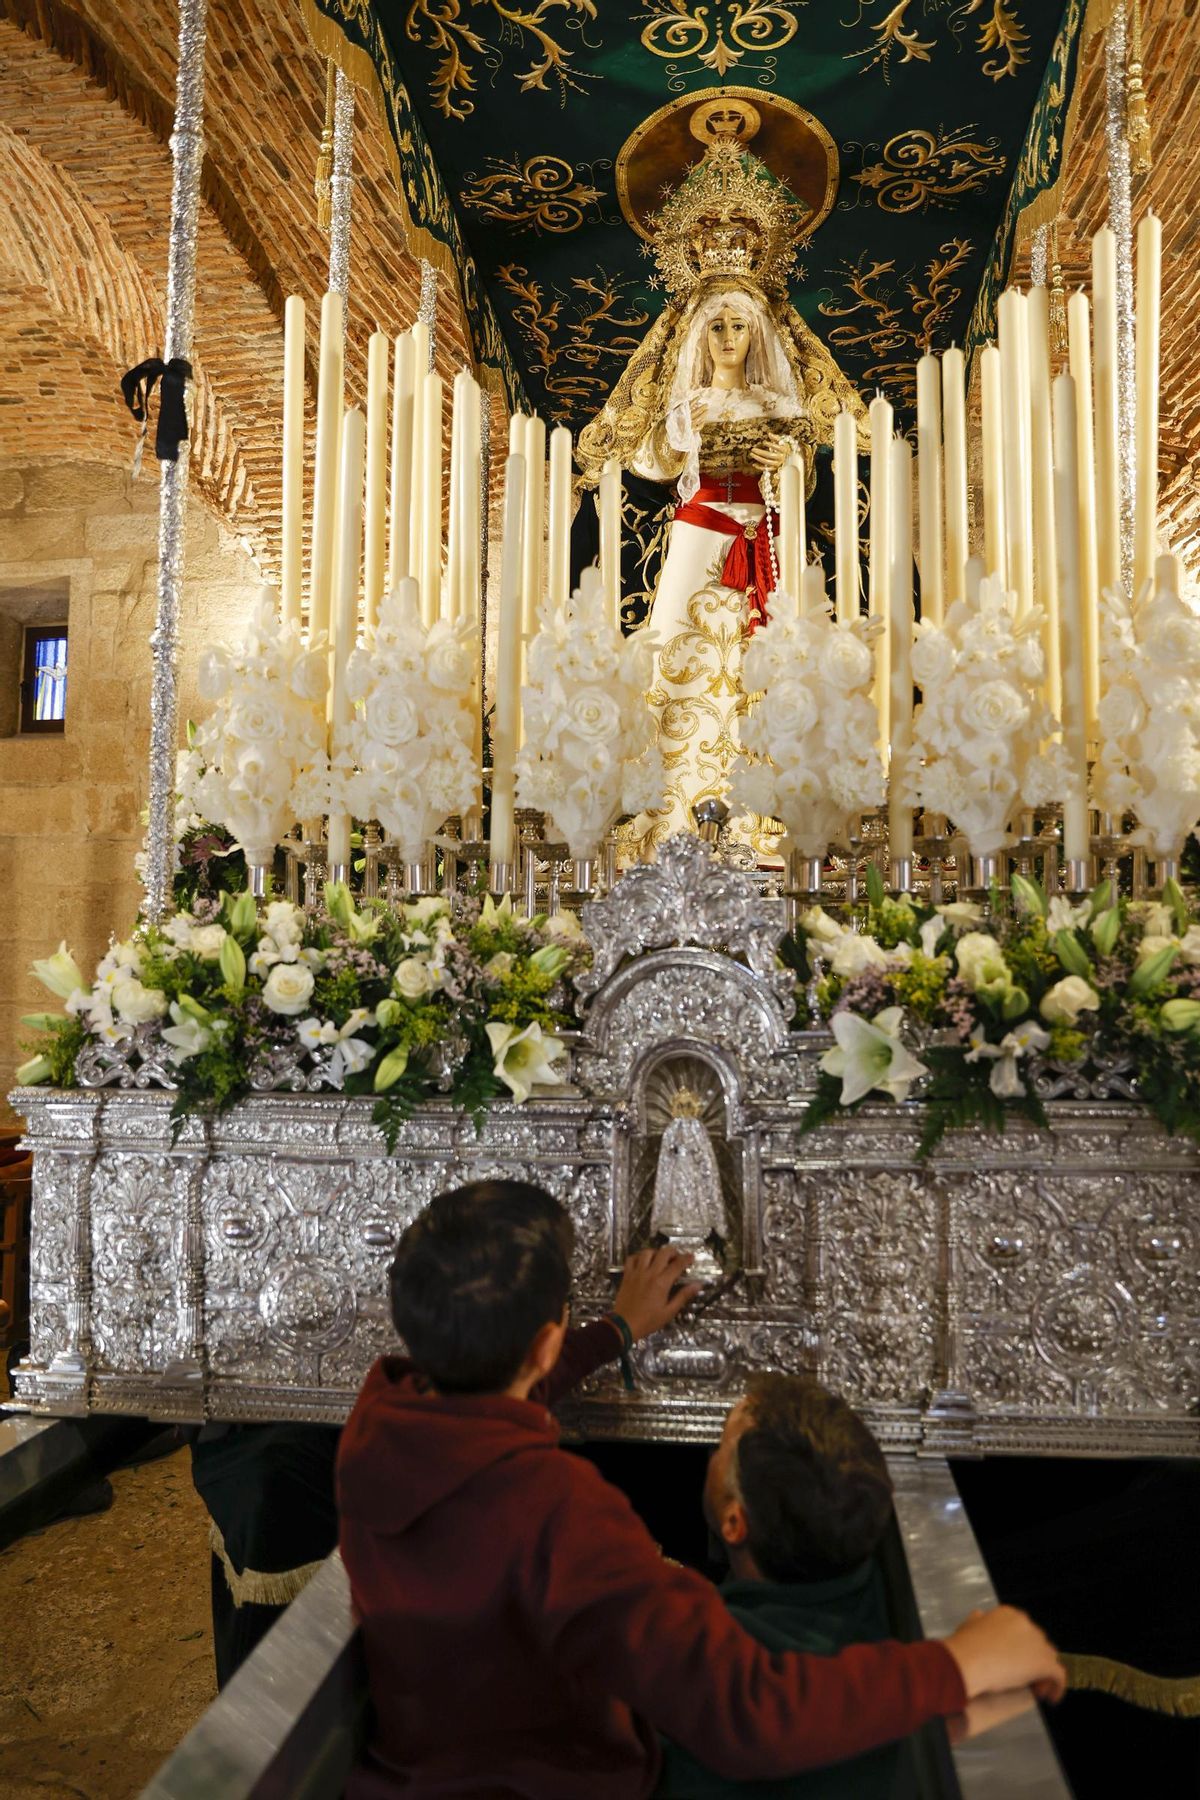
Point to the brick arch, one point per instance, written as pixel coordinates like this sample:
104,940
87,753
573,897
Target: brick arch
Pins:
55,243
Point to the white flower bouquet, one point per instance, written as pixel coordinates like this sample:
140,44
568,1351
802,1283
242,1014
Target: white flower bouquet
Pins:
981,734
258,763
407,758
1149,714
811,731
590,752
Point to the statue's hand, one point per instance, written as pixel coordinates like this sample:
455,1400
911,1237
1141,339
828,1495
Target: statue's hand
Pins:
772,453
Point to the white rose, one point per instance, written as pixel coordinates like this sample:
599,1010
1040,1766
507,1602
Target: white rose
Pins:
792,711
854,952
932,656
288,988
310,676
447,665
1064,1002
1120,713
413,978
390,714
980,960
214,674
137,1004
206,940
593,714
845,661
257,719
1176,641
994,706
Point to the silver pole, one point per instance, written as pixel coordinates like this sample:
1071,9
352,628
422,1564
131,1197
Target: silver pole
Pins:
341,185
427,306
1120,217
187,156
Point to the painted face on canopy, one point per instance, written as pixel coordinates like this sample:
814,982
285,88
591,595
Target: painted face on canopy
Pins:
729,339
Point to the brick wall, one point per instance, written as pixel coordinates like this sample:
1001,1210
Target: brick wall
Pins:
70,805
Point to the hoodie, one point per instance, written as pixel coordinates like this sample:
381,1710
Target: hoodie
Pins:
525,1637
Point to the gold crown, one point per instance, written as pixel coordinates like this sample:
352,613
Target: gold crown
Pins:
687,1105
730,216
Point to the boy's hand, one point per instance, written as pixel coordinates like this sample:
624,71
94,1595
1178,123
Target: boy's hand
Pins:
1004,1649
644,1298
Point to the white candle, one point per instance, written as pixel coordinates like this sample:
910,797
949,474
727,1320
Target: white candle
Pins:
345,611
506,720
609,505
1146,358
429,544
375,544
292,575
516,433
456,599
403,387
325,469
845,514
1108,479
813,598
1076,843
994,537
879,574
534,546
791,527
954,430
422,360
900,819
1018,495
559,560
929,487
1037,321
1080,337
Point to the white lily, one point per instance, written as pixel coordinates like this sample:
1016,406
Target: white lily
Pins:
526,1059
60,972
1004,1080
869,1055
187,1035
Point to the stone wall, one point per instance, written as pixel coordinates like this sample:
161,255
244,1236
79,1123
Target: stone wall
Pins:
70,805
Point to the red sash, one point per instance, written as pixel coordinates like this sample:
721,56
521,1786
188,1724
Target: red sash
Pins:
747,561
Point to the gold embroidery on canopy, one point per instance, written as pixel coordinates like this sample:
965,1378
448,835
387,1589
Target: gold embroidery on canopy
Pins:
1003,42
1004,34
681,30
439,27
891,35
578,330
875,323
920,169
543,193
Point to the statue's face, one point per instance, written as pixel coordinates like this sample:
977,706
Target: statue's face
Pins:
729,339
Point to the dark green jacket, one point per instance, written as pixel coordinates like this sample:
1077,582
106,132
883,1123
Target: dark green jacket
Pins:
819,1616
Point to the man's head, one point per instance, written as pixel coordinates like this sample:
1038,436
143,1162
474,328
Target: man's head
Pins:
479,1287
797,1489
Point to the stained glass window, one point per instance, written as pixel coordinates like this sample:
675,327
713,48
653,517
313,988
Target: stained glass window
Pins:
44,689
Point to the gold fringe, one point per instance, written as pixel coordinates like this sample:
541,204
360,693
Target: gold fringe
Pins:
329,40
1137,112
1177,1695
323,185
260,1587
1045,206
1058,298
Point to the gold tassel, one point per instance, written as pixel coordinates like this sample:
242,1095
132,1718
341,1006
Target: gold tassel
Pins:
1177,1695
322,186
1137,114
1058,298
260,1587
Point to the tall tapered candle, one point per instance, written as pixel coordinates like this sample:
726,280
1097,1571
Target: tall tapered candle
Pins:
558,572
791,527
609,504
929,487
879,574
506,723
516,433
472,570
1108,468
1037,322
456,530
994,540
1146,362
1018,492
534,571
325,468
1080,339
345,609
422,362
900,819
1073,610
954,464
430,542
845,515
403,385
292,574
375,536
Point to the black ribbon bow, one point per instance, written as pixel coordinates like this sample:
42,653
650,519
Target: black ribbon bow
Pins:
138,385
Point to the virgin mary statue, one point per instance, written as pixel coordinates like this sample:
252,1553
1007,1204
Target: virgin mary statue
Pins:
728,383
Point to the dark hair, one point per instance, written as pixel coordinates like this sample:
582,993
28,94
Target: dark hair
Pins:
474,1279
812,1479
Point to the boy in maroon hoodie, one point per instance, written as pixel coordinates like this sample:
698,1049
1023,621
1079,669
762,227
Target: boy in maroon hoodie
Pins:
523,1634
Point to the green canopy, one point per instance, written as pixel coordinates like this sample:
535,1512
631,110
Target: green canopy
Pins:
527,134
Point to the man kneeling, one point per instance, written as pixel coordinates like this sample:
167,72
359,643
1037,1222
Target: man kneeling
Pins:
523,1635
799,1497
